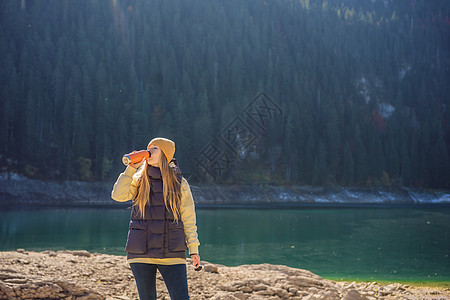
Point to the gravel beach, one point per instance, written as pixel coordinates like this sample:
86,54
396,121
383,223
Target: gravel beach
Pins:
84,275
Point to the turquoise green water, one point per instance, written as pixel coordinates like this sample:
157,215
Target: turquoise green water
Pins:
395,244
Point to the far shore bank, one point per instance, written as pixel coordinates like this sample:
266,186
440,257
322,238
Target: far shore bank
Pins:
17,190
63,274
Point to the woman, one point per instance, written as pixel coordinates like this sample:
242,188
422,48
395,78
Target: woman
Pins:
163,222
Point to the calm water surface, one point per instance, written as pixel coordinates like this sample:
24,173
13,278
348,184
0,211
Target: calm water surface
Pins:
353,244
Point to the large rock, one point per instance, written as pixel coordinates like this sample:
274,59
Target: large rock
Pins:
18,285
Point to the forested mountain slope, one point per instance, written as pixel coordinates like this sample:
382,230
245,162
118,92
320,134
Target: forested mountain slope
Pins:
348,92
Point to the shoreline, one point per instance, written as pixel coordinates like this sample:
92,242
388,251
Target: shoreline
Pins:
414,283
16,189
62,274
256,206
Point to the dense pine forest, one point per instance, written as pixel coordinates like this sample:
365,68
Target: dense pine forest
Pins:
348,92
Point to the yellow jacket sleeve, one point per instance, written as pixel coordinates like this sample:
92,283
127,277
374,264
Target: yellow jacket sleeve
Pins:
188,217
126,186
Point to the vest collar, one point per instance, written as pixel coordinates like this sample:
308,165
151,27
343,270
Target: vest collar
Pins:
154,173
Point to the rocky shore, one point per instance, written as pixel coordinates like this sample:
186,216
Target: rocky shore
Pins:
84,275
18,190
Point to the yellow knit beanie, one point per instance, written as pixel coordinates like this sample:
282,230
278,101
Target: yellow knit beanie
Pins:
167,146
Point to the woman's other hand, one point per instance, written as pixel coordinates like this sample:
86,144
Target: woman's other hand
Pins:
195,260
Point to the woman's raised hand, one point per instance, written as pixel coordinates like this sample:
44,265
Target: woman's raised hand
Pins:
137,165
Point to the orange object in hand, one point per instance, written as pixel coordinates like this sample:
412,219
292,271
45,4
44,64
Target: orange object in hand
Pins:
135,157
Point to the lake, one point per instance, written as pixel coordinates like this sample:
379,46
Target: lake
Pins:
390,244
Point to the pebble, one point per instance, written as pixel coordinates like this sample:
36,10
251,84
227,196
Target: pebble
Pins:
354,295
211,268
81,253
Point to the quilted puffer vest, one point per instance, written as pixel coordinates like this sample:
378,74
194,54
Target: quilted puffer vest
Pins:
157,235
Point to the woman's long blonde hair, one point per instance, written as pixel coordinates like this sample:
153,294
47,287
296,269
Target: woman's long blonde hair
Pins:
171,187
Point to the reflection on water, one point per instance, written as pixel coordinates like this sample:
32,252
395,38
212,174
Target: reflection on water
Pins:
90,229
401,244
366,244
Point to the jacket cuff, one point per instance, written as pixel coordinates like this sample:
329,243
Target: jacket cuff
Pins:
193,249
130,171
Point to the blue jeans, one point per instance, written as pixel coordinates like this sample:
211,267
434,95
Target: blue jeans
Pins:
174,276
